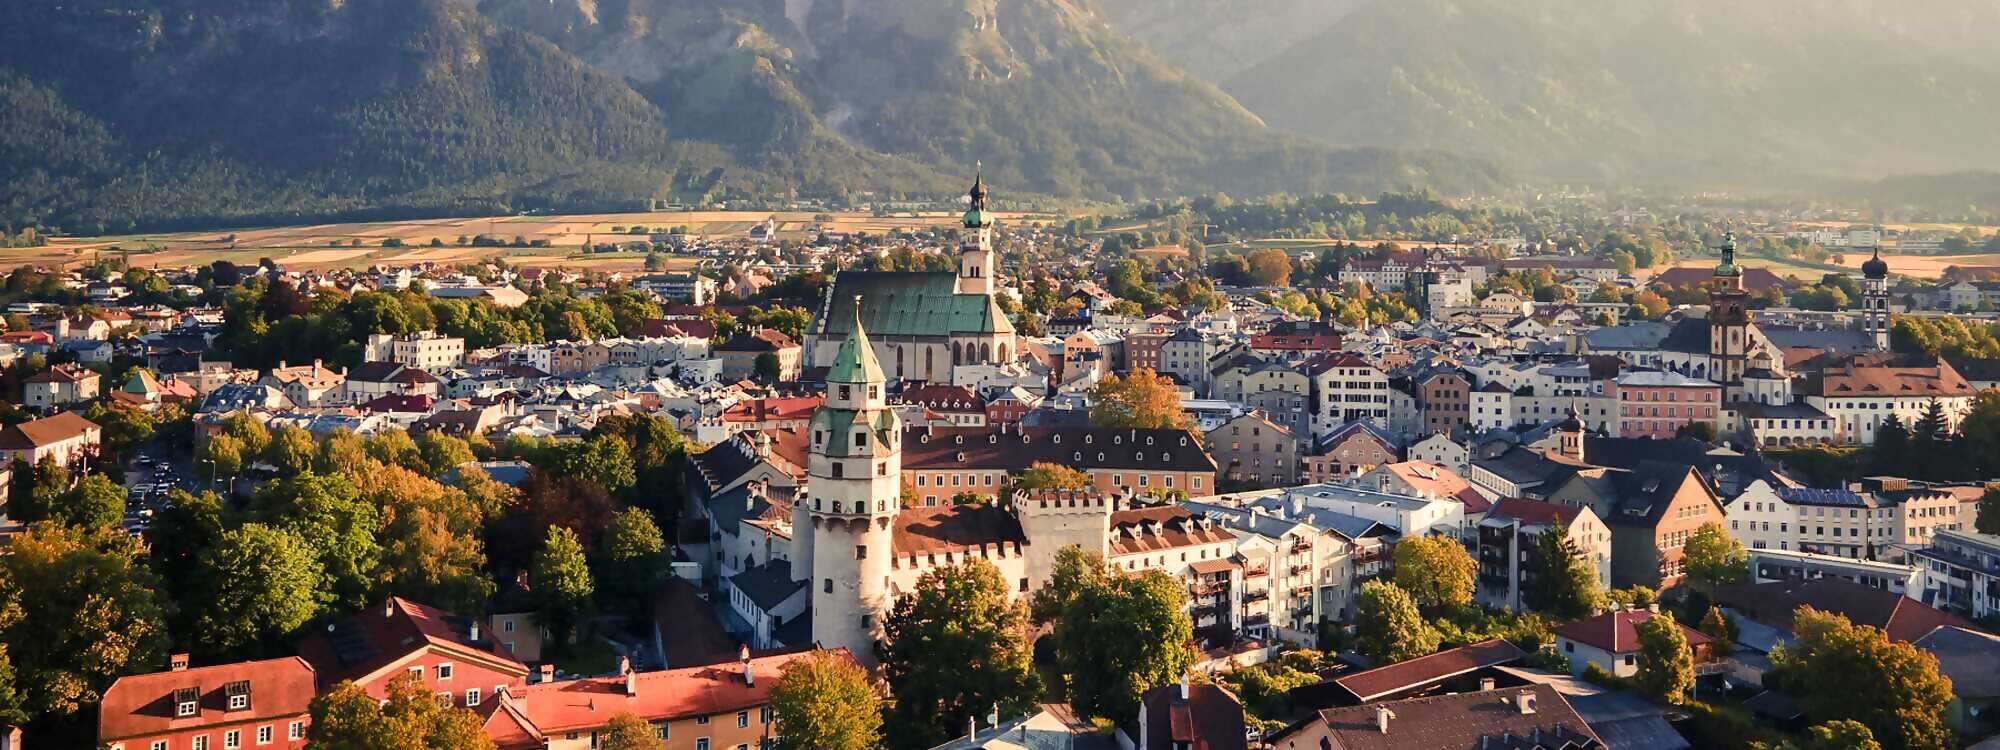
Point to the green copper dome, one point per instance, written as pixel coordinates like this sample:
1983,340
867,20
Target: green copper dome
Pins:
1728,265
977,217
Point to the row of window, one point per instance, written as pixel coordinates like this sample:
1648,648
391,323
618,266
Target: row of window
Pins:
233,738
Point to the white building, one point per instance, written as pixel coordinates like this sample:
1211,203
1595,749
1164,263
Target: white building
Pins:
425,350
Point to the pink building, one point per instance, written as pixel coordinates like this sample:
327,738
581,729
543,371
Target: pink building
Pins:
1656,404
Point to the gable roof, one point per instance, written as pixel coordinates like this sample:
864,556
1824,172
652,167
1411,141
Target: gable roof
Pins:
143,705
1209,718
1375,683
570,705
383,635
1494,719
1618,632
46,431
1776,603
907,303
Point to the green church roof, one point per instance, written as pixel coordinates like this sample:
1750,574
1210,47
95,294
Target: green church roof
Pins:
856,361
909,303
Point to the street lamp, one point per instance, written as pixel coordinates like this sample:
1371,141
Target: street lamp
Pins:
211,472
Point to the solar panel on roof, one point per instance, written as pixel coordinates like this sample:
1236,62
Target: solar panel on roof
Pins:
350,646
1821,496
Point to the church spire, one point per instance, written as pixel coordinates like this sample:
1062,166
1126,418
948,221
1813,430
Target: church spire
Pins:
976,216
1728,265
856,362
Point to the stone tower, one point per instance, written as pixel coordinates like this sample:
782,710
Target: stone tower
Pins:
1054,519
1728,324
978,265
854,493
1875,299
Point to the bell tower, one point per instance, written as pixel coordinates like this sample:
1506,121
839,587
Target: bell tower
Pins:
1875,299
852,498
978,265
1728,324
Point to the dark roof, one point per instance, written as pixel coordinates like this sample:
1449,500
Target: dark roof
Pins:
1774,604
1829,339
767,585
765,340
1493,719
384,633
1739,469
954,528
1525,467
1970,658
1838,498
1689,336
1210,718
1010,449
1395,678
374,372
1534,512
1754,279
689,629
1975,369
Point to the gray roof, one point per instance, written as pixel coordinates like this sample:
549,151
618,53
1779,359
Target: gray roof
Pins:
1640,334
1970,658
1833,339
767,585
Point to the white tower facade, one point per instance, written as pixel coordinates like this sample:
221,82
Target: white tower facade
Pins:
978,265
852,496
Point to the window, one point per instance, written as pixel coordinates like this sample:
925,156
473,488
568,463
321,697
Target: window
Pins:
861,552
296,731
742,719
444,671
185,702
701,744
200,742
507,625
232,738
264,735
159,745
471,697
704,720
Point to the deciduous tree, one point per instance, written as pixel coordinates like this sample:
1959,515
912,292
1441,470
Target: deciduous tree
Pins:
90,610
292,451
1047,476
1666,666
1833,661
561,584
1141,399
1388,628
1076,571
627,731
958,648
1713,558
95,502
330,515
1435,571
826,702
348,718
1123,637
259,585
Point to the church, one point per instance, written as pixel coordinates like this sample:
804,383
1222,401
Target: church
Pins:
923,324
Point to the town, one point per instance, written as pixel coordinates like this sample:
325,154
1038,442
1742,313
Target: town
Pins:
1427,480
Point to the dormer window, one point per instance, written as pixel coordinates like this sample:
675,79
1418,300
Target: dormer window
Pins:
846,392
186,702
238,693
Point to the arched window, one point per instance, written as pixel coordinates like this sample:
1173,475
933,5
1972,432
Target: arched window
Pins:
928,356
899,361
986,352
1003,354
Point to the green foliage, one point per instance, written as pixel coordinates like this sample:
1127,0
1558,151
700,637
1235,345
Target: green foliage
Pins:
1387,626
441,452
1719,631
603,460
291,450
95,502
259,584
632,564
826,702
560,583
629,731
1048,476
329,514
1666,666
1435,571
1264,688
1833,735
1713,558
348,718
1076,571
1567,589
1834,660
1122,637
957,649
78,608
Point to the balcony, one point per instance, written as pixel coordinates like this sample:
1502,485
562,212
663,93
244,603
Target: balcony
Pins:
1256,596
1256,572
1301,569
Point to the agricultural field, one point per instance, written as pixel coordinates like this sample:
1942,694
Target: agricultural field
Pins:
326,246
1913,266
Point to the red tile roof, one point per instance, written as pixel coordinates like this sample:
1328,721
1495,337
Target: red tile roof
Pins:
572,705
1617,632
45,431
1775,604
1453,722
1375,683
772,409
1536,511
387,633
1210,718
143,705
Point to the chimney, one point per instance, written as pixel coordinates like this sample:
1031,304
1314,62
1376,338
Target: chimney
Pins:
548,672
1382,717
1185,688
1525,701
177,663
1485,684
749,677
631,678
474,634
389,607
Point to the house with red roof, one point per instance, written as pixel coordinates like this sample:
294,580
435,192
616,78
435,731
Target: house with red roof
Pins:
1175,717
68,437
453,656
715,706
60,385
1611,642
246,704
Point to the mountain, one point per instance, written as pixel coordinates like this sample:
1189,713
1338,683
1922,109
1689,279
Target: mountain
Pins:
1218,39
1045,93
160,114
1696,92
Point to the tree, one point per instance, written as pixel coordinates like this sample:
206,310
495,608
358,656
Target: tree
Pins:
1387,626
95,502
441,452
826,702
181,534
394,448
1567,588
1716,626
341,451
260,584
768,369
1142,399
90,610
1076,571
248,431
632,563
1892,447
1989,513
1833,660
225,452
627,731
958,648
348,718
1435,571
1833,735
1651,305
603,459
1123,637
1713,558
1666,666
1042,475
1702,431
329,514
561,585
1270,267
291,451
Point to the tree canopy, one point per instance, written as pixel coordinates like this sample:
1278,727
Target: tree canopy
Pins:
1834,660
1388,628
86,610
1435,571
957,649
1666,666
1713,558
826,702
1141,399
411,718
1122,636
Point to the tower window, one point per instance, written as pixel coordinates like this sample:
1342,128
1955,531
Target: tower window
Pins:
861,552
829,586
847,392
838,470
